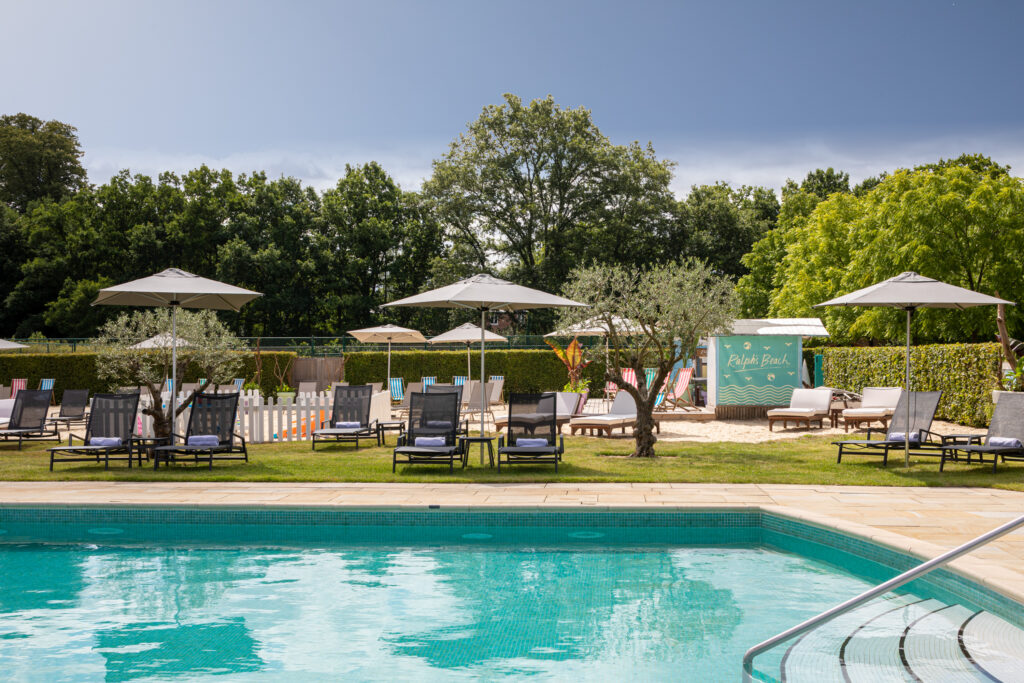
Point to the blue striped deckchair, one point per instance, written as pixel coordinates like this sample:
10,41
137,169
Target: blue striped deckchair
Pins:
495,378
46,385
427,381
397,387
239,383
459,380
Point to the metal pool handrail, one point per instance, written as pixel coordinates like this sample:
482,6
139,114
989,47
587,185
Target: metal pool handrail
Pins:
881,589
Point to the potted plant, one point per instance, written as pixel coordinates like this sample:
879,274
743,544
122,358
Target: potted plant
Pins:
285,393
573,357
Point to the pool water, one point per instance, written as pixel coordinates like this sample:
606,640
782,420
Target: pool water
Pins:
599,611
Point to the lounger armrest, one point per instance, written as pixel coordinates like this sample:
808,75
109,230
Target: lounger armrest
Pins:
876,430
925,432
501,442
75,436
239,437
401,441
561,443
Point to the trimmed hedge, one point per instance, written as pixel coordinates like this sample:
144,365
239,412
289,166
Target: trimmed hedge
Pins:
965,373
524,370
78,370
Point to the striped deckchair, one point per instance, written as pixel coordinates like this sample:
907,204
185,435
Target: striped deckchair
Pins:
495,378
397,387
239,383
46,385
649,375
427,381
18,385
629,374
459,380
678,396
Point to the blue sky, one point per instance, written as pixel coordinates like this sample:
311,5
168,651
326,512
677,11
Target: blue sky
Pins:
750,92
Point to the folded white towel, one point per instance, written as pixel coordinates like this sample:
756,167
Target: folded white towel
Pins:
900,436
531,443
428,441
105,441
204,440
1003,442
347,425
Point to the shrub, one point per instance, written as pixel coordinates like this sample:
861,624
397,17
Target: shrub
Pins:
965,373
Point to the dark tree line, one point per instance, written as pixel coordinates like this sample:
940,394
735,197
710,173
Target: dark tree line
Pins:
528,192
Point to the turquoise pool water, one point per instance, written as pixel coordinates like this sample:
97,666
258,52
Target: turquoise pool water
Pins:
108,597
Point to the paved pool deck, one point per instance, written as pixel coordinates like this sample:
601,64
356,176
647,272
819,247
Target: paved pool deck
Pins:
923,521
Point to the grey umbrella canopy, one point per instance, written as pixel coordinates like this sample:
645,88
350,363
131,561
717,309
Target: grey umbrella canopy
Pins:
485,293
388,334
176,288
10,346
910,291
467,334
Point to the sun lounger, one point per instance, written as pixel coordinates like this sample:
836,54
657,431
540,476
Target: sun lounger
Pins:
876,405
108,434
307,389
451,389
805,406
1004,439
567,405
73,404
210,433
497,389
28,418
923,405
431,435
350,417
531,437
621,415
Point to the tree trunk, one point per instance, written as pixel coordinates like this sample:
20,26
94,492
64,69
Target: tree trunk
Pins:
643,430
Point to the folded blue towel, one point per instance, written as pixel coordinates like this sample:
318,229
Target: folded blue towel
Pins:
1003,442
204,440
347,425
428,441
901,436
439,424
105,441
531,443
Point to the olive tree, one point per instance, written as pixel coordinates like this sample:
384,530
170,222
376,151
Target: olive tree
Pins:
655,317
204,344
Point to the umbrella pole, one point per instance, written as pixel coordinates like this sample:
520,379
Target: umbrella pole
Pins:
483,386
389,367
906,436
174,367
469,366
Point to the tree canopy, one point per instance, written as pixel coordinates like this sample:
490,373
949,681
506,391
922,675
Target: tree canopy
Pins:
38,160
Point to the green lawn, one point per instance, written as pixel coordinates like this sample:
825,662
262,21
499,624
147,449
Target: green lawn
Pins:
806,460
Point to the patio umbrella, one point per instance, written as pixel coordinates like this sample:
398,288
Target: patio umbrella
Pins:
160,341
177,289
485,293
466,334
392,334
910,291
10,346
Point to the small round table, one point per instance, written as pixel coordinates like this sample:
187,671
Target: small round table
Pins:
466,441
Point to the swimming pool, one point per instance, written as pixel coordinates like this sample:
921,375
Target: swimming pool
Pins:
272,594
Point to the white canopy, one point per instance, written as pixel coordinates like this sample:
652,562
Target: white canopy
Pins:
160,341
173,287
800,327
595,327
467,333
10,346
487,293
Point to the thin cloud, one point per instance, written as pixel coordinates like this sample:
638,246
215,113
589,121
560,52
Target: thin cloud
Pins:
767,165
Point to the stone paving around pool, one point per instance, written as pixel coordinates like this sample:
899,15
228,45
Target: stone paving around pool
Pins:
924,521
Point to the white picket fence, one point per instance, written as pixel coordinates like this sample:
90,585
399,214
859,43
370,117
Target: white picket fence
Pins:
263,419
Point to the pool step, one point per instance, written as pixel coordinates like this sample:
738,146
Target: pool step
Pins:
902,638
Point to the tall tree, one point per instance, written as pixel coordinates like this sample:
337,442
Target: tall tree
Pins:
529,186
954,223
38,159
724,223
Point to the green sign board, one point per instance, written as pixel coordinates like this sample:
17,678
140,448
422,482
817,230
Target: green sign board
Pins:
757,371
